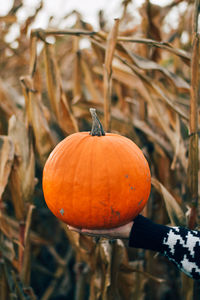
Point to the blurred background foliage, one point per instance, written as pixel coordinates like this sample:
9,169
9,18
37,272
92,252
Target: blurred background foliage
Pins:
142,77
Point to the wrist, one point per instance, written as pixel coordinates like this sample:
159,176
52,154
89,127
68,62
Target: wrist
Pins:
146,234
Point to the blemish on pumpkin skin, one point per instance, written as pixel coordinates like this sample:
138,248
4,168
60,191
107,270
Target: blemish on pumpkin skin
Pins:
62,211
140,202
115,212
126,176
132,188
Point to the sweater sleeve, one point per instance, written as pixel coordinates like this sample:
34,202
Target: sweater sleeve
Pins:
180,245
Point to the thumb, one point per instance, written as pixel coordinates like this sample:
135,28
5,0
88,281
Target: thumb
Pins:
73,228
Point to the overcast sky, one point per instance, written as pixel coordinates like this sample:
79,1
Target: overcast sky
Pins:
59,8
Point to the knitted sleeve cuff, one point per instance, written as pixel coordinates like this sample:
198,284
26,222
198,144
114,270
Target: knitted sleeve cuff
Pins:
145,234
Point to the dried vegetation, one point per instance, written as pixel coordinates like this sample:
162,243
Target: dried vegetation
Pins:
143,79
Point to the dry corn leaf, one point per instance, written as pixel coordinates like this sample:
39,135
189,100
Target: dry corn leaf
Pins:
172,135
193,164
15,6
121,74
59,103
29,21
155,89
110,47
145,64
77,71
44,139
185,56
11,231
107,73
4,227
25,271
7,249
187,289
8,19
178,149
22,176
118,88
89,81
125,77
99,53
6,161
7,107
33,54
153,136
113,277
83,245
175,212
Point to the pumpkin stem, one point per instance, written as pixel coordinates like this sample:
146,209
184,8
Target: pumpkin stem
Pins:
97,128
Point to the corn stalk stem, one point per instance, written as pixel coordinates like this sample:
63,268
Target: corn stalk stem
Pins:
193,163
193,126
107,73
21,240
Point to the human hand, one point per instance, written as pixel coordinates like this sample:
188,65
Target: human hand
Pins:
121,232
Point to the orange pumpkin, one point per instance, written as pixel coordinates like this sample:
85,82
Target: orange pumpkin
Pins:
96,180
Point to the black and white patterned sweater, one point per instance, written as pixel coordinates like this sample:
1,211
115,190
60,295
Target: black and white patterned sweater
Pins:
180,245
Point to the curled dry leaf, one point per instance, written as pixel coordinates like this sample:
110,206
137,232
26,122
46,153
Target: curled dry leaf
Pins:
185,56
23,172
6,159
44,139
145,64
155,89
113,277
153,136
175,212
7,106
135,65
83,245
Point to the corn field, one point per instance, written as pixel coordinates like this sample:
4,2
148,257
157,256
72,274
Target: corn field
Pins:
143,79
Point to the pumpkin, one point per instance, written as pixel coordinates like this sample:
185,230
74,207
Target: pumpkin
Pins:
95,180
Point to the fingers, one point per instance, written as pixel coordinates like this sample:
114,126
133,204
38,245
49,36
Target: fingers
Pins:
74,228
92,233
96,232
85,231
88,232
122,232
